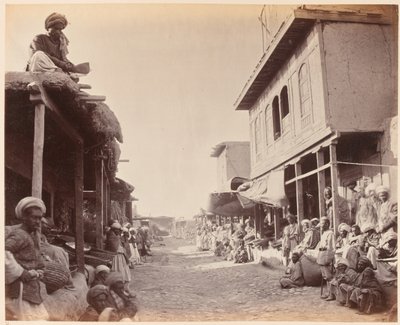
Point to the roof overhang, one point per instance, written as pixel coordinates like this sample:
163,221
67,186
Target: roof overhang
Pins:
291,33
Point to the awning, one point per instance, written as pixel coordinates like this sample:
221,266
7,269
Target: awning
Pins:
267,190
227,204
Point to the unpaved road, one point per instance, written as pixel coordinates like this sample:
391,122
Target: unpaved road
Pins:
180,284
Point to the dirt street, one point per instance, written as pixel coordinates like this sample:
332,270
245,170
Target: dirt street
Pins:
180,284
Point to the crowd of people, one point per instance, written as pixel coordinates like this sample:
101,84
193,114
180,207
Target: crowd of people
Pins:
355,265
33,263
232,241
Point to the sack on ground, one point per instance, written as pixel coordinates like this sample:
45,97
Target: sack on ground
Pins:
325,257
311,271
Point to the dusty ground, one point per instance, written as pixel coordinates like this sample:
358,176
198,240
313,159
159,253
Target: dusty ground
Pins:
180,284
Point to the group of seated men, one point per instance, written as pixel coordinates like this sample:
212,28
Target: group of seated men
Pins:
357,263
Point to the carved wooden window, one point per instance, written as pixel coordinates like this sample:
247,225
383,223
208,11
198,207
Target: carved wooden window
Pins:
305,95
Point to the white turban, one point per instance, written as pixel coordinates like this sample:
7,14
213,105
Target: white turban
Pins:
29,202
101,268
342,260
344,226
305,222
370,187
381,189
116,225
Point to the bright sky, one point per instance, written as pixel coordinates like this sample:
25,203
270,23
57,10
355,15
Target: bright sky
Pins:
171,74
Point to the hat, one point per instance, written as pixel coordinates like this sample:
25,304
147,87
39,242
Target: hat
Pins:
305,222
382,189
342,260
114,277
344,226
29,202
95,292
55,19
367,227
314,220
101,268
124,229
370,187
116,225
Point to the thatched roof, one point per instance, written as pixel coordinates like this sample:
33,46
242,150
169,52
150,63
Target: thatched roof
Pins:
121,190
93,120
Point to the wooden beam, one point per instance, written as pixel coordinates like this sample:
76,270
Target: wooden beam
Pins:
84,86
79,239
317,170
92,98
334,185
321,183
99,203
89,195
56,114
299,194
38,146
366,18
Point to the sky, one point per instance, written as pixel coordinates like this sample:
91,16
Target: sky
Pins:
171,73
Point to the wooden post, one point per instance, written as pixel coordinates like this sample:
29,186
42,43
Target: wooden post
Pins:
79,240
52,195
108,198
99,203
38,145
129,211
104,198
276,221
334,185
299,194
321,184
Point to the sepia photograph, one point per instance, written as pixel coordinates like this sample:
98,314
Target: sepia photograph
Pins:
200,162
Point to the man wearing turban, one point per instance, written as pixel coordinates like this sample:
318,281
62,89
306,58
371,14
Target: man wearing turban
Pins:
49,51
23,263
387,212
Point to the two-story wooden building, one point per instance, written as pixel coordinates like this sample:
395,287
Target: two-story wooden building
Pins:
322,103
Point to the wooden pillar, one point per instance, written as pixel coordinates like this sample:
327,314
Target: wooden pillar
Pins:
79,240
52,195
108,199
99,203
129,211
104,198
38,145
334,185
299,194
321,184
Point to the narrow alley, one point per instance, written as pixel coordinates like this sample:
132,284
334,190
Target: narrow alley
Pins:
178,283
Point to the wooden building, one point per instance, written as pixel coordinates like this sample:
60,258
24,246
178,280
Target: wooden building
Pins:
322,104
61,145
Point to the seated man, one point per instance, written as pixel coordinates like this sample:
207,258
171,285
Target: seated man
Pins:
294,274
99,307
366,294
310,239
49,51
343,274
346,287
101,274
120,299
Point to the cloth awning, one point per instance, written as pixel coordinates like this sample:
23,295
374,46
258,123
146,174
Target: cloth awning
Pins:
267,190
227,204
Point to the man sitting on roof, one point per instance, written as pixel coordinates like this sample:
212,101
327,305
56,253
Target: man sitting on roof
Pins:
49,51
